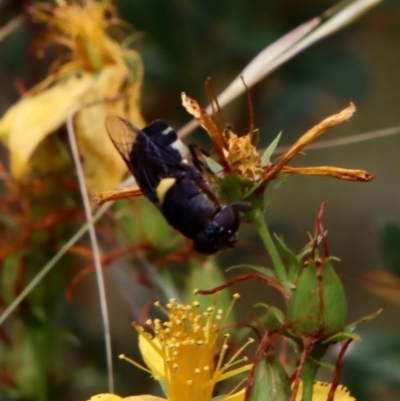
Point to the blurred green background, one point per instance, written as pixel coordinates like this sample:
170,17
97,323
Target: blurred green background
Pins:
183,43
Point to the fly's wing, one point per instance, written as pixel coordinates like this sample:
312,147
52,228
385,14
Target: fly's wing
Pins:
122,134
148,156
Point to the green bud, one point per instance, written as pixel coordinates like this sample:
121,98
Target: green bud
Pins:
318,304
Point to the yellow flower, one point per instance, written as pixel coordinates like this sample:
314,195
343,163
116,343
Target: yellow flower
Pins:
113,397
93,74
321,391
181,353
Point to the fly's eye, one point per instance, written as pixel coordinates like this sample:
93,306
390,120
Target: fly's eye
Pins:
228,219
208,241
219,233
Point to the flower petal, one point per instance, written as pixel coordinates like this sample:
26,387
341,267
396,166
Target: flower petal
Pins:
239,396
105,397
34,117
143,397
321,391
151,353
113,397
102,165
336,172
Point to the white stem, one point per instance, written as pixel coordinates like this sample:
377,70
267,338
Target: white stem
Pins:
332,143
287,47
95,246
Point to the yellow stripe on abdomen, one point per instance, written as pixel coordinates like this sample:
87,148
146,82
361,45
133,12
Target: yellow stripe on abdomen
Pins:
163,188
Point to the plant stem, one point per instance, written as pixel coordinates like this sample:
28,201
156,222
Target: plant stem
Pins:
258,219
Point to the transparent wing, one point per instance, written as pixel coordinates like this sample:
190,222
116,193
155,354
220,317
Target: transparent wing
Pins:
123,135
148,154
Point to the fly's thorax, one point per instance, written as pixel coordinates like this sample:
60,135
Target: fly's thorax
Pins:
166,137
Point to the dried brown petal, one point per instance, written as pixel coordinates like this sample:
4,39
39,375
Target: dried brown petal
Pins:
310,136
336,172
115,194
384,284
193,108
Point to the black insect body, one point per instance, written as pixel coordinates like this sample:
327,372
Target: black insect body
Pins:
157,160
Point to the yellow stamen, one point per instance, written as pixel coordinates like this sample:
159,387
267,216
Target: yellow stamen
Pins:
182,350
138,365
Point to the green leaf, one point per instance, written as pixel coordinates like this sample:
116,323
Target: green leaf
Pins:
259,269
39,355
351,327
271,382
205,276
151,225
389,241
164,283
233,186
273,188
266,157
274,319
9,275
293,260
342,336
214,166
250,191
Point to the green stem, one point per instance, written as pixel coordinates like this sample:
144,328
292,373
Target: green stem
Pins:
310,371
258,219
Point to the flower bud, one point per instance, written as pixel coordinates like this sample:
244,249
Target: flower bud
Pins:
318,304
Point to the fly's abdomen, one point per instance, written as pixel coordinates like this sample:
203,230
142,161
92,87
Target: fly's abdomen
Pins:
187,208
